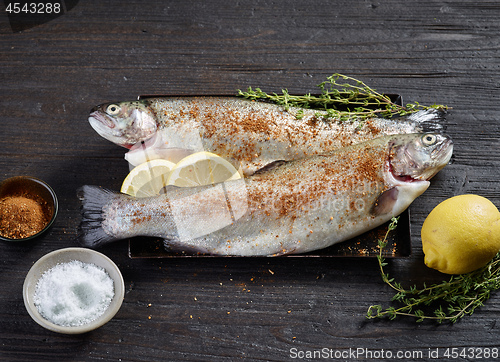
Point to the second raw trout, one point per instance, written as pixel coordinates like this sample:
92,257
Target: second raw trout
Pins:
285,208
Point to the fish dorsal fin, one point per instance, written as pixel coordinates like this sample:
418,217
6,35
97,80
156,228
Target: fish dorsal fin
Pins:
270,166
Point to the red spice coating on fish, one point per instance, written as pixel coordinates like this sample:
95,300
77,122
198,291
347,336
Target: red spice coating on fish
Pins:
293,207
251,133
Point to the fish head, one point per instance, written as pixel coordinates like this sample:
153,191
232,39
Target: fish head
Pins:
412,161
419,157
124,123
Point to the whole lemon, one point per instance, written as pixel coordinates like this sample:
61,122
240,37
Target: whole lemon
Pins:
461,234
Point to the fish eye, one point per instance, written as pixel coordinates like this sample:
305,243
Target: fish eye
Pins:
113,109
429,139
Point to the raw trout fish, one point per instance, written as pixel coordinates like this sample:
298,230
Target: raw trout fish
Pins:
251,134
286,207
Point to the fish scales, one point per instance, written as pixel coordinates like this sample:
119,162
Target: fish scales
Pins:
294,207
256,133
251,133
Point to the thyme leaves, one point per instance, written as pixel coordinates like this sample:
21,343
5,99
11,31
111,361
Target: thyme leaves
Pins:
341,98
447,301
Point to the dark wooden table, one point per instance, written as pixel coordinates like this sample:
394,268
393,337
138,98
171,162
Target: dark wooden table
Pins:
52,74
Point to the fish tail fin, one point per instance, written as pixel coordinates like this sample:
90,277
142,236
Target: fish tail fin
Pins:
430,120
90,231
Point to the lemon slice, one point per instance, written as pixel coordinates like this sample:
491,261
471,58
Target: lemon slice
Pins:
202,168
148,178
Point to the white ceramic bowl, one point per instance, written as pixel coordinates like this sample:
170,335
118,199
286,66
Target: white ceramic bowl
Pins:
63,256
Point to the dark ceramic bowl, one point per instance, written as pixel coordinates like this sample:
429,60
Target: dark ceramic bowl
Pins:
35,189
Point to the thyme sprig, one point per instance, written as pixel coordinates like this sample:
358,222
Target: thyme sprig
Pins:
343,98
451,300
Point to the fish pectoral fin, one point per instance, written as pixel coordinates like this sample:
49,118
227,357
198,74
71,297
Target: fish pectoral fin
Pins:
385,202
270,166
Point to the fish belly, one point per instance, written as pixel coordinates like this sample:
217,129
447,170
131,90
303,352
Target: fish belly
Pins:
295,207
303,206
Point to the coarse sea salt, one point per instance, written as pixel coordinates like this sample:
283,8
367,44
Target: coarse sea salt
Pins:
73,293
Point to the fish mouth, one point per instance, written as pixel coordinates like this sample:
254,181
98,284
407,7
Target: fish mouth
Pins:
98,126
444,151
98,117
400,178
397,178
111,131
441,156
106,129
